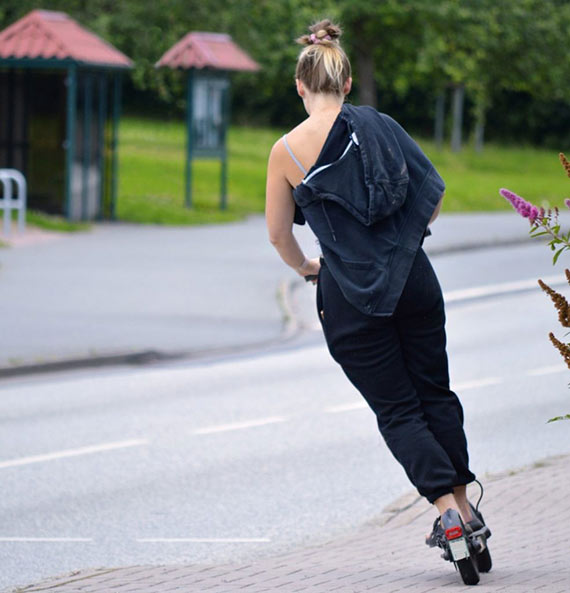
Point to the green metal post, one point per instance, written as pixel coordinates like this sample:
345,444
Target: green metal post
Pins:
11,100
71,83
225,124
224,181
189,142
86,137
101,140
114,143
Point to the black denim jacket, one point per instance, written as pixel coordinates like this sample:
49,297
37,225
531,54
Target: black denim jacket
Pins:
368,199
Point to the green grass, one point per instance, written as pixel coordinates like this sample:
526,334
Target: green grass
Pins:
151,181
54,223
48,222
473,179
151,186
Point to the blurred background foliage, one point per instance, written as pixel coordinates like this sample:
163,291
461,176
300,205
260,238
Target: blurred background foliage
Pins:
510,57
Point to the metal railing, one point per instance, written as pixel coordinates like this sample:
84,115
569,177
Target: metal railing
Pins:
9,203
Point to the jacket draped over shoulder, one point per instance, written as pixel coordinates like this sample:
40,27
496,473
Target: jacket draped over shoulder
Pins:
368,199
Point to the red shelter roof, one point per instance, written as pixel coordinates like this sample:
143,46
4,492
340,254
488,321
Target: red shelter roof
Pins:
207,50
48,35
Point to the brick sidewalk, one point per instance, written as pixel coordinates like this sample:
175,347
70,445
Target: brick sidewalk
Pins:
528,512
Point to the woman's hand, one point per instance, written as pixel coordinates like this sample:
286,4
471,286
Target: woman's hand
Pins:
310,267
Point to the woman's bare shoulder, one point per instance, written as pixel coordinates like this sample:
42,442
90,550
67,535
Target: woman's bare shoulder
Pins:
277,151
302,130
296,134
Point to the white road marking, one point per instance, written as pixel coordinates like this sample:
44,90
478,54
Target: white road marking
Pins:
553,368
502,288
45,539
477,383
240,425
202,540
72,452
346,407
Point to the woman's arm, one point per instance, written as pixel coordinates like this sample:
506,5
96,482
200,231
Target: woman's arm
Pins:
279,215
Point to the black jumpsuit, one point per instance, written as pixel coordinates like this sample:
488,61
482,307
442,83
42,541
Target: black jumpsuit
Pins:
397,361
399,365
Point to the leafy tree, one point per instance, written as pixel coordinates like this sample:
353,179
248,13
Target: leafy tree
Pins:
405,52
484,46
383,39
269,37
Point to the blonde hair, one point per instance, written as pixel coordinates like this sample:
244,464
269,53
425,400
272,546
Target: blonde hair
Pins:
322,66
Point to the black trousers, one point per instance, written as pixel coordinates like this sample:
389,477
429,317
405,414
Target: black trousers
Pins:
399,365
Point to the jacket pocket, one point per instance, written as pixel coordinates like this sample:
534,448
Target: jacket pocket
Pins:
362,273
362,280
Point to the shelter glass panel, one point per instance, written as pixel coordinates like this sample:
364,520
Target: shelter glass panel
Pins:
87,173
32,132
13,119
208,117
46,154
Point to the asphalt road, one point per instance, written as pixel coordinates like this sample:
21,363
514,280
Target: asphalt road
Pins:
256,453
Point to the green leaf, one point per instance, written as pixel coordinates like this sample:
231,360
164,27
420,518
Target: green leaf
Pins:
557,254
556,418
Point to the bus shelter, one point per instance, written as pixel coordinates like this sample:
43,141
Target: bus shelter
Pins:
60,95
208,59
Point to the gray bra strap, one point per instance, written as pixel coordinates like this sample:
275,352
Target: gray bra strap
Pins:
293,156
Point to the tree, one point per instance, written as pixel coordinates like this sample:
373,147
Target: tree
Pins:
269,37
484,46
383,39
453,50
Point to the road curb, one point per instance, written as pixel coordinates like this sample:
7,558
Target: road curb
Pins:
143,357
66,579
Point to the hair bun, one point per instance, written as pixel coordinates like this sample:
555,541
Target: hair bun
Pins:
324,32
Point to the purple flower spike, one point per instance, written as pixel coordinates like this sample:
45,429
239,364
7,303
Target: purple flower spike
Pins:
524,208
567,202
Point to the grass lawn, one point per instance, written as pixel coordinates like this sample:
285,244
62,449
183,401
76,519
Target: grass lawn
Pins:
48,222
54,223
151,180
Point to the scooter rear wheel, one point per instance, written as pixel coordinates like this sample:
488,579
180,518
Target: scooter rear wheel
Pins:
468,570
484,562
459,548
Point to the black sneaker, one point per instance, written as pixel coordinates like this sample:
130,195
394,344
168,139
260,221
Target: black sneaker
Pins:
451,535
437,539
477,525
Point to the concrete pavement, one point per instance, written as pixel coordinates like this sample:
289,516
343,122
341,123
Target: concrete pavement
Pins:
124,293
528,511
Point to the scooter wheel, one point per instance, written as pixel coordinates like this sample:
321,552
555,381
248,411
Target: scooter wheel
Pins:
484,562
468,570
